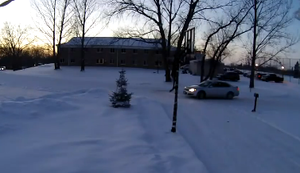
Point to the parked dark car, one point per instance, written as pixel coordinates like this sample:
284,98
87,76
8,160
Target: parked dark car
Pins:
247,74
259,75
238,71
233,76
272,77
185,71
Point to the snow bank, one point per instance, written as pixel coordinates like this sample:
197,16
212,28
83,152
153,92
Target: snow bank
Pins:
80,132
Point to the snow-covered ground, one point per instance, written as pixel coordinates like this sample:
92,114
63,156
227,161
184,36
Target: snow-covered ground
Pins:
61,121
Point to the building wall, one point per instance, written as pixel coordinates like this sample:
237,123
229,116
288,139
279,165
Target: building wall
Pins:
195,67
101,56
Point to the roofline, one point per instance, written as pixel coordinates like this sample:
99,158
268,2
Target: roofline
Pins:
115,47
67,44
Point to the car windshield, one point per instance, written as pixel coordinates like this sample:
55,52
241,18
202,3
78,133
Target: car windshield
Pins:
205,83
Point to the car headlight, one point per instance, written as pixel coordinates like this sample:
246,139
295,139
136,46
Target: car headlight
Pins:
192,89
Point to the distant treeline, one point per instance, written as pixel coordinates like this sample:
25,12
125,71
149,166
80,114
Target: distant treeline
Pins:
19,59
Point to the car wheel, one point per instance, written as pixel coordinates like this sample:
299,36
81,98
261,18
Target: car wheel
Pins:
230,95
201,95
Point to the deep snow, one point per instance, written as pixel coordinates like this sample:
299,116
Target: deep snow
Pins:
61,121
53,124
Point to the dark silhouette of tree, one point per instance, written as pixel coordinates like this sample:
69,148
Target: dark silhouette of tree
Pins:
297,13
222,33
14,40
166,20
85,18
270,38
5,3
56,15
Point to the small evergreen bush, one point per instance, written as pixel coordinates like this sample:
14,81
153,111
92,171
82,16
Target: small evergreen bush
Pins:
121,98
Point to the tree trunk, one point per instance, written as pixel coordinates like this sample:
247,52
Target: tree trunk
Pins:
168,75
251,84
57,60
55,57
167,70
82,67
211,66
58,63
211,71
216,63
202,68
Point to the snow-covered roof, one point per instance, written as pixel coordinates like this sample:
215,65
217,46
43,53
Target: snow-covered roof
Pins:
115,42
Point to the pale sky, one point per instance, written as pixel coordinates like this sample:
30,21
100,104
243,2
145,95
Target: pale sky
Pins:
20,12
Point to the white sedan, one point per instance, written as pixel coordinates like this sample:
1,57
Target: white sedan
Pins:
212,88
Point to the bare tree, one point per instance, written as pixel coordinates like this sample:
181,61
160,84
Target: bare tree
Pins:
297,13
37,52
14,40
5,3
168,20
220,46
56,15
222,33
86,17
217,53
270,19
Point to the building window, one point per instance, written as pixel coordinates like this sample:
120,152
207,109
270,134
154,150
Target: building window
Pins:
111,61
100,61
146,51
134,62
134,51
158,63
112,50
72,60
123,50
100,50
62,60
122,62
145,63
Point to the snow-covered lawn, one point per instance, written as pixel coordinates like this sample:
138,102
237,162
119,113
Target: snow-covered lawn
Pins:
61,121
65,124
